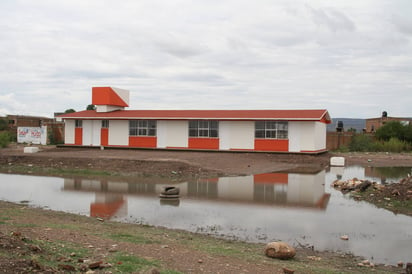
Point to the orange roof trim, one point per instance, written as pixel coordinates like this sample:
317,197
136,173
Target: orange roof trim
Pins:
321,115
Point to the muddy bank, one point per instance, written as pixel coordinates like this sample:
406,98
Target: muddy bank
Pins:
162,163
43,241
188,163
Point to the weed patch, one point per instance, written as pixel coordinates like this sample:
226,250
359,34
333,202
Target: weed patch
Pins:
126,263
129,238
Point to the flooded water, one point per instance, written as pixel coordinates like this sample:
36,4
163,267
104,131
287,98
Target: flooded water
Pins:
301,209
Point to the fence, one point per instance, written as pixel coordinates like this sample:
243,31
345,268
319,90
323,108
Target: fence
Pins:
336,140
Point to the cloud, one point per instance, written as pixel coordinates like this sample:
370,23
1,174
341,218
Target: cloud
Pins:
332,19
207,54
404,25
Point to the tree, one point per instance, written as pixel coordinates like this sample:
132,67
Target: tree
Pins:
91,107
3,123
70,110
394,129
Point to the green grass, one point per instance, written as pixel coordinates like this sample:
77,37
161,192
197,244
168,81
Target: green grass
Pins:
3,220
26,225
129,238
63,226
126,263
59,249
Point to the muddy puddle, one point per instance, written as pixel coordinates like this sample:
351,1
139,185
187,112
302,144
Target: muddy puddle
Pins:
301,209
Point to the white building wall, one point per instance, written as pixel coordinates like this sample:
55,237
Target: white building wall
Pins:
236,135
118,133
172,134
97,125
303,136
91,132
87,132
294,135
320,136
107,108
69,126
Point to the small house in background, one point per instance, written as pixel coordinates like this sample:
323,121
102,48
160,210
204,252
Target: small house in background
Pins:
372,124
110,125
35,129
27,121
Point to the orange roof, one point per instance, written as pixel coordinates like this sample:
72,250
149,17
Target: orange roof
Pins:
289,115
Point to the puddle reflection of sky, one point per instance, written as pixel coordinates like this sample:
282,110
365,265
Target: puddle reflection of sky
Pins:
297,208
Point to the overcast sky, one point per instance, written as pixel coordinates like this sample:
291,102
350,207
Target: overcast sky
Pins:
352,57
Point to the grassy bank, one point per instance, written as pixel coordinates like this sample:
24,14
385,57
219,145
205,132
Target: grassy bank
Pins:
55,241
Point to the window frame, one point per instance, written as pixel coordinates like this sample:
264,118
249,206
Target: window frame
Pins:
78,123
272,129
145,128
203,129
105,123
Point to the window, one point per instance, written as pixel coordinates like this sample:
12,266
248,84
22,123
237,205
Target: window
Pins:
105,123
142,127
204,128
78,123
271,130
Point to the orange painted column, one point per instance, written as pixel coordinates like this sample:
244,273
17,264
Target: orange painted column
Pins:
104,136
78,136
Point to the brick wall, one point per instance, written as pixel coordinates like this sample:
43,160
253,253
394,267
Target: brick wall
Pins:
335,140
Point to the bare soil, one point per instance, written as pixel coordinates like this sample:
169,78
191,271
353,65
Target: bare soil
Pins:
22,228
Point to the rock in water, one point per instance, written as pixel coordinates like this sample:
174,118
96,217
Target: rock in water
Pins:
280,250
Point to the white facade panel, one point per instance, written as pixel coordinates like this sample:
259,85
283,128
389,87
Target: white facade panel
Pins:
69,126
118,133
172,134
91,132
307,142
97,124
236,135
320,136
87,132
294,133
107,108
307,136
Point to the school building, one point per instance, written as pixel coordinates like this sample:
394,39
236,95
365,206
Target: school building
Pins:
110,125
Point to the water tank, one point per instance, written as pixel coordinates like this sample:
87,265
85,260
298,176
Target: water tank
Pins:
384,114
339,126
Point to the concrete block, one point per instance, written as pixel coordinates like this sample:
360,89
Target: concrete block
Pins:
337,161
31,149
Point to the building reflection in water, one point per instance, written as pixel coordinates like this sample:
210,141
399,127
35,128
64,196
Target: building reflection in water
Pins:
286,189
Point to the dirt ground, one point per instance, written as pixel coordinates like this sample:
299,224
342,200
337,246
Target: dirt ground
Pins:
52,226
189,163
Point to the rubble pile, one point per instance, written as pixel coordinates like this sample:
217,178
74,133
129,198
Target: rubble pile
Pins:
401,190
354,185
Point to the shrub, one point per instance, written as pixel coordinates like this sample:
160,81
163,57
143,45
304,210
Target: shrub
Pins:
4,139
393,145
361,142
394,129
